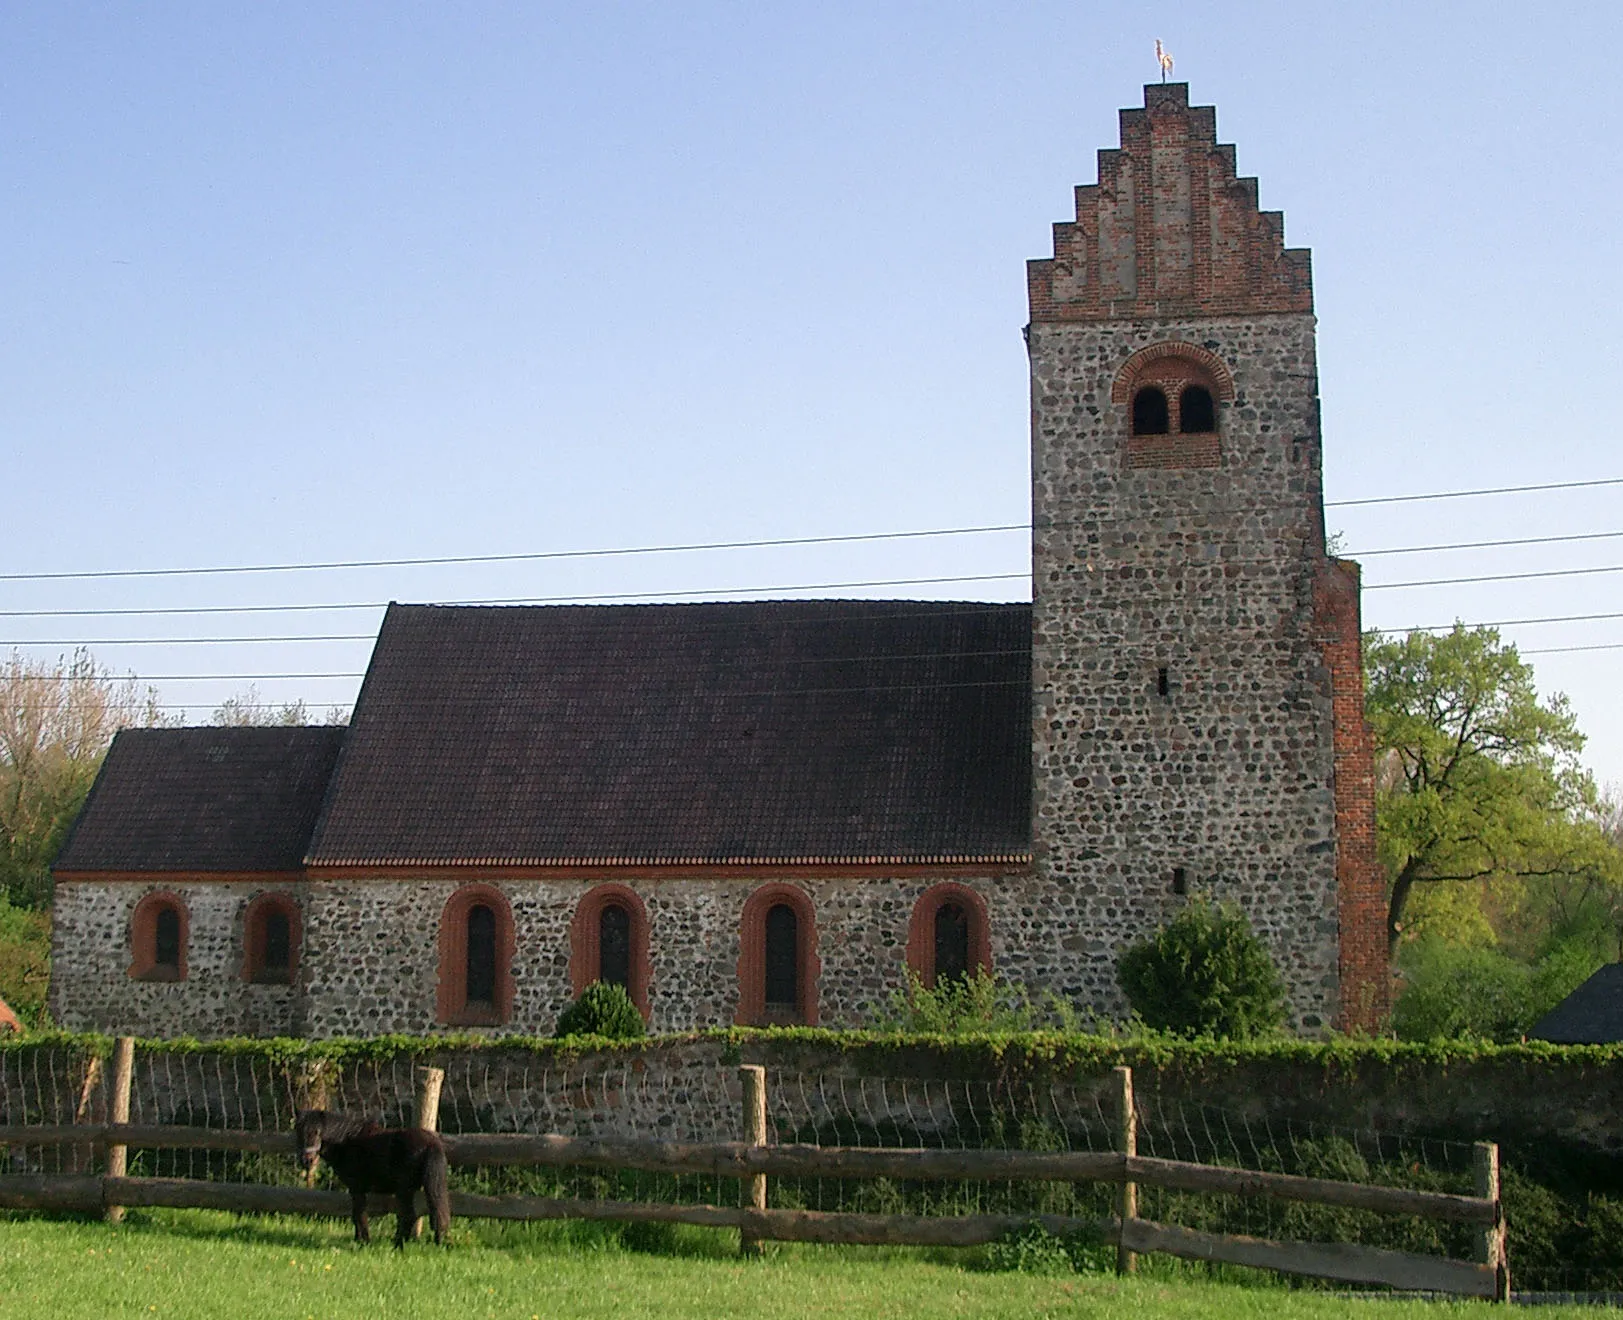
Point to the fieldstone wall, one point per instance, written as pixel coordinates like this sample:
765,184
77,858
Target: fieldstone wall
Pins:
370,959
1207,572
91,988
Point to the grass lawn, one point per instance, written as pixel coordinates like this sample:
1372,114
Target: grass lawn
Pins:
185,1264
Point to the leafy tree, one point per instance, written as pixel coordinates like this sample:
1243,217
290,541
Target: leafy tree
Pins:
56,721
247,709
1476,777
25,960
1450,990
1204,973
602,1010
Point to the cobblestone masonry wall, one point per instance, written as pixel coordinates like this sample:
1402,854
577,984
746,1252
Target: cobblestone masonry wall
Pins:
370,959
1207,572
91,987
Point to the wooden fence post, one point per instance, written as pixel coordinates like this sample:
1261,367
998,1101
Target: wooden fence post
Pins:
119,1112
753,1076
428,1099
427,1116
1127,1143
1490,1245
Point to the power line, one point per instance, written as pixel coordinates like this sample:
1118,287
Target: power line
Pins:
430,561
1465,494
632,596
1556,650
1500,623
1494,577
1485,545
762,543
517,600
335,606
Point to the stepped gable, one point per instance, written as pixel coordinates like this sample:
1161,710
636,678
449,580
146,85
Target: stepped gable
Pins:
1169,230
794,731
209,800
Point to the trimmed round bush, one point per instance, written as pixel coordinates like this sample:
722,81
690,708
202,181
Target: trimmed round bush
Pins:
1204,973
602,1010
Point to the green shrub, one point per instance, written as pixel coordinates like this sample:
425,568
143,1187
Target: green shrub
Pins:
971,1005
602,1010
1031,1249
1204,973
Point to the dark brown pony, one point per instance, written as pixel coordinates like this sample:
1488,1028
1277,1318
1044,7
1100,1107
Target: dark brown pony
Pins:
367,1158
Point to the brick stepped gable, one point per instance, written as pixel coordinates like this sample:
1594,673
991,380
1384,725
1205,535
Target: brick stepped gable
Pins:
1183,237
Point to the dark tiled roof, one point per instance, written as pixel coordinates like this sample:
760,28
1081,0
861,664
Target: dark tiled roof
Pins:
204,800
809,730
1591,1015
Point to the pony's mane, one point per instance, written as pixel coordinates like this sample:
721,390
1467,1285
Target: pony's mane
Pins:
335,1126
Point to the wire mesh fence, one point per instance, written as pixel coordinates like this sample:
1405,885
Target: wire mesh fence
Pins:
1555,1243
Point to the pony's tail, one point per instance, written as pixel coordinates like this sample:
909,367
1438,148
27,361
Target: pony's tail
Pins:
437,1192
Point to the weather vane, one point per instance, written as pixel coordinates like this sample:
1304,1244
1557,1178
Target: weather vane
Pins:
1164,58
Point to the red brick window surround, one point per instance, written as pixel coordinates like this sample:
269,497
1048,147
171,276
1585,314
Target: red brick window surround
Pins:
160,928
608,941
272,933
1173,390
777,961
476,958
948,934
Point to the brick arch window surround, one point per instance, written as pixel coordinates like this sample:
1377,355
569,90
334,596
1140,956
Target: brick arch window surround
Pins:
777,963
948,934
476,958
160,929
1172,390
608,941
272,936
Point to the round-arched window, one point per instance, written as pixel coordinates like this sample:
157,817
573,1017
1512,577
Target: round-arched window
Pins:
1150,413
1196,411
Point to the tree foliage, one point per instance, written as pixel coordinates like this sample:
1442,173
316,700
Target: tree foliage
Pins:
1454,991
1476,777
56,721
602,1010
1204,973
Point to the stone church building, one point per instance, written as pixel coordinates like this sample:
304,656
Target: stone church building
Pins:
766,812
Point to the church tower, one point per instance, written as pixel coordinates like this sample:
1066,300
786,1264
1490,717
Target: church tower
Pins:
1197,718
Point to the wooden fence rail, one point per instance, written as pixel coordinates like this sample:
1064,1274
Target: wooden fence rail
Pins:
746,1160
753,1162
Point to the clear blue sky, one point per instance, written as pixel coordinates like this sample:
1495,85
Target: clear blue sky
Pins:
331,281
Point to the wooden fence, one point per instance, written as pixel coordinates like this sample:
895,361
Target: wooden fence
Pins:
753,1161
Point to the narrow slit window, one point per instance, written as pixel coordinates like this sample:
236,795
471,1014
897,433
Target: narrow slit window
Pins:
277,957
1180,880
1196,411
614,946
782,958
951,943
1163,681
481,956
1150,416
166,940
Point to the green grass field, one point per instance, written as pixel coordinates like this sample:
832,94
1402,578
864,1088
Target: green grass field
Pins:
182,1264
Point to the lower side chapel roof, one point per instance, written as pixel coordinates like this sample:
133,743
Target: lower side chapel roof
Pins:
724,733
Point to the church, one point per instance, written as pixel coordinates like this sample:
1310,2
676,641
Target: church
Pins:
771,812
